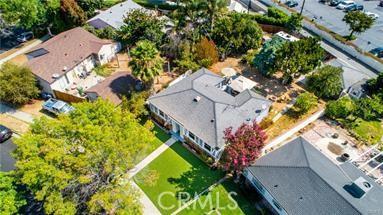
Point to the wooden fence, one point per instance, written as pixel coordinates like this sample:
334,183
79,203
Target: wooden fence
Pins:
68,97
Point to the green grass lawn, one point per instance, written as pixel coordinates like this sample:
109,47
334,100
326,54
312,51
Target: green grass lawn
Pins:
226,198
178,171
160,134
370,131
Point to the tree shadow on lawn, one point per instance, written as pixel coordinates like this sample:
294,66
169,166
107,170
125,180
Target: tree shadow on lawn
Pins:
195,180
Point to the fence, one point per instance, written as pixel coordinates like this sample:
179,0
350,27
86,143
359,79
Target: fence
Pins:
68,97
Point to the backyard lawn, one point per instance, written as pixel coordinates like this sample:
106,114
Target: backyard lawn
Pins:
370,131
223,199
179,171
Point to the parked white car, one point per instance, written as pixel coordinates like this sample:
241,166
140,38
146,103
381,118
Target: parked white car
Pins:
372,15
345,4
57,106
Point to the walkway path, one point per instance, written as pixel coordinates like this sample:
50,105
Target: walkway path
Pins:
23,116
280,139
151,157
24,49
148,206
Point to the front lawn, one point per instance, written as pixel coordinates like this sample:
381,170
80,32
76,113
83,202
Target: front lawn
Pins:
160,133
226,198
179,174
370,131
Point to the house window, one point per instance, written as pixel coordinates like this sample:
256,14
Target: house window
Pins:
191,135
200,142
161,113
207,147
276,204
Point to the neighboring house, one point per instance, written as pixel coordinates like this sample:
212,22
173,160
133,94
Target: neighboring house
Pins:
237,7
199,108
64,62
298,179
114,16
113,87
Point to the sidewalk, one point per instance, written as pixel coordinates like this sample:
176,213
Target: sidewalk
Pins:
148,206
151,157
23,116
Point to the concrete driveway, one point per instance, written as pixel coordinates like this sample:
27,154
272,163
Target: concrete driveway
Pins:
331,18
7,162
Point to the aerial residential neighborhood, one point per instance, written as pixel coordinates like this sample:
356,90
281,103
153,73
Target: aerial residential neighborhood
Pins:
191,107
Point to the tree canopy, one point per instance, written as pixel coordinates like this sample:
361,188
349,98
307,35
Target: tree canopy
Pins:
140,25
326,82
236,33
17,84
264,61
146,61
77,164
206,52
341,108
11,199
358,22
370,108
298,58
243,147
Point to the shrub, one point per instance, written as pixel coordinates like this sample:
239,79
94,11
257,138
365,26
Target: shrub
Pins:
370,108
206,52
326,82
305,102
341,108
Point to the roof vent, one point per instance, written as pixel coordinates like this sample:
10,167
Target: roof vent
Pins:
197,98
65,68
65,54
55,76
358,188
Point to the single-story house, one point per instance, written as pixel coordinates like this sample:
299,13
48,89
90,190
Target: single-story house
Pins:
64,61
113,87
299,179
198,109
114,16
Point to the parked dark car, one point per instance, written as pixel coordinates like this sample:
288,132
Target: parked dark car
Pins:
335,3
24,37
5,133
378,52
380,3
354,7
291,3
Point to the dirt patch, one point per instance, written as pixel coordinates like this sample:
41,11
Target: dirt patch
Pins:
16,125
34,108
230,62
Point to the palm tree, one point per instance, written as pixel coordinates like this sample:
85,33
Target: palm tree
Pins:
146,63
214,8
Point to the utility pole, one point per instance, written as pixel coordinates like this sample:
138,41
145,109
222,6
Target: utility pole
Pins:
303,5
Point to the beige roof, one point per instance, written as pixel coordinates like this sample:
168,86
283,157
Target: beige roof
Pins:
64,50
114,87
242,83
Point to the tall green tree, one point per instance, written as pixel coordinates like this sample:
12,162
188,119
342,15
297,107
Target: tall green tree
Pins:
298,58
264,61
214,8
17,84
375,85
235,34
77,164
326,82
294,22
358,22
370,108
140,25
146,62
11,200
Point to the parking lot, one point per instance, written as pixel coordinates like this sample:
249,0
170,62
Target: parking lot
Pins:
331,18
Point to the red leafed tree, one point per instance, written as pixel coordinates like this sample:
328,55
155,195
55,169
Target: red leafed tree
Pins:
243,147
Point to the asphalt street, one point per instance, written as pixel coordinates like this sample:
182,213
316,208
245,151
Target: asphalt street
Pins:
7,163
331,18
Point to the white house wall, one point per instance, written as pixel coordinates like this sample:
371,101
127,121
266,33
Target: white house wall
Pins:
107,52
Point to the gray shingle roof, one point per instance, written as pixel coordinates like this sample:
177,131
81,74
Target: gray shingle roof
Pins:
114,16
304,181
215,104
